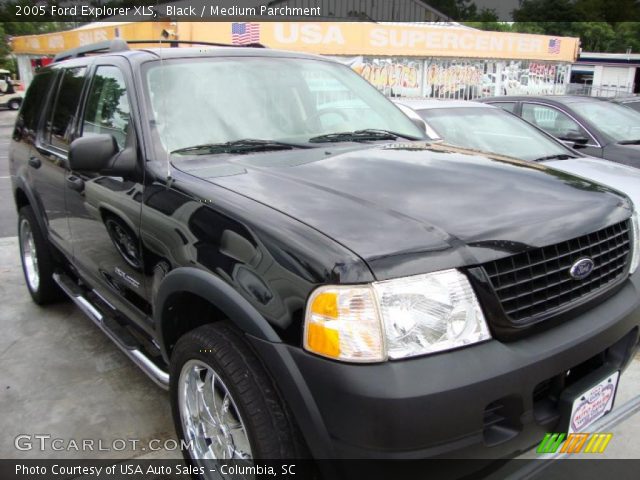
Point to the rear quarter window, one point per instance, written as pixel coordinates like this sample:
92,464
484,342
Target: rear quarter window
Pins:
58,129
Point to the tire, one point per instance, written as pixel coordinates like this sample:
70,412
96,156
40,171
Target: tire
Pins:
14,104
38,264
254,401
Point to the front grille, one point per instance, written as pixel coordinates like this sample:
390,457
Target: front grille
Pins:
536,283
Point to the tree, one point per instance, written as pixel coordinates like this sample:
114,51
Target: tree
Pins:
610,11
5,60
627,35
595,36
490,25
598,23
464,10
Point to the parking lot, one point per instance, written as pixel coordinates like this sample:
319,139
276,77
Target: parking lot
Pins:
62,377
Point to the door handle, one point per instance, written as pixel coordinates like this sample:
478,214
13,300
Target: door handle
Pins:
35,162
75,183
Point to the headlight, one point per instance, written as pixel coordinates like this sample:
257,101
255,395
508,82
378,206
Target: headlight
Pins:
635,239
394,319
430,313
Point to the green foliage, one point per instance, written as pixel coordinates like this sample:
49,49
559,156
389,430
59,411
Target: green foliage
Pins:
556,13
612,26
595,36
627,35
105,106
490,25
5,61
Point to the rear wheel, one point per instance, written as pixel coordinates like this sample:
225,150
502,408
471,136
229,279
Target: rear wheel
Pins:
14,104
224,403
37,261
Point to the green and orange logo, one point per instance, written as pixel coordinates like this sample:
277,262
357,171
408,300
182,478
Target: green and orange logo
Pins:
574,443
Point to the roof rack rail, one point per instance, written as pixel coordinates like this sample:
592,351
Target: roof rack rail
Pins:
115,45
121,45
194,42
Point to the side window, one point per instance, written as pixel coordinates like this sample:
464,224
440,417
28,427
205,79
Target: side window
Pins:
65,108
508,106
107,108
34,101
553,121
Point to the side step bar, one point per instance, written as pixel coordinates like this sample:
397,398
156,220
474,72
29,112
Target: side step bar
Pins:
159,376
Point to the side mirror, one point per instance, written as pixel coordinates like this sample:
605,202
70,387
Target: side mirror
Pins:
100,154
574,140
418,122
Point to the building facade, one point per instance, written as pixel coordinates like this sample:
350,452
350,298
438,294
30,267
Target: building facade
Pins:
430,59
605,74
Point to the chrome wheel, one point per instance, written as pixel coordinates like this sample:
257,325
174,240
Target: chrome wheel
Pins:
211,422
29,256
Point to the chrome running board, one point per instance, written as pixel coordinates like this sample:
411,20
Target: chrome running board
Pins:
153,371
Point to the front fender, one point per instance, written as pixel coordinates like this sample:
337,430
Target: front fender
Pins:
212,288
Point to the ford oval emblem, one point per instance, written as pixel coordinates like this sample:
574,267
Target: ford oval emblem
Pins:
581,269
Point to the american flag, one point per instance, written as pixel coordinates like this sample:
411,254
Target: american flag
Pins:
554,45
243,33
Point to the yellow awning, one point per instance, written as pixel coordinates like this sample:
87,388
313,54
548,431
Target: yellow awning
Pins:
328,38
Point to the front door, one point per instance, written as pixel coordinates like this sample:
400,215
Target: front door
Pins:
562,126
104,211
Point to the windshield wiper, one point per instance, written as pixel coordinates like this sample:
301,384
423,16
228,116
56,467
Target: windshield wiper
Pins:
558,156
630,142
246,145
368,134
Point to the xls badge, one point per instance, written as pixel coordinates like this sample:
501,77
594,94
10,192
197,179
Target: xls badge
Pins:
581,269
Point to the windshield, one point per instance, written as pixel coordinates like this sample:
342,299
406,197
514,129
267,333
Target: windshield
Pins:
217,100
492,130
620,123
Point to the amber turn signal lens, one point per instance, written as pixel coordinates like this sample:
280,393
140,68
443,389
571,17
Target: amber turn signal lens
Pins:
325,305
323,341
342,323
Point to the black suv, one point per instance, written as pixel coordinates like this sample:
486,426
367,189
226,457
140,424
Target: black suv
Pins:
266,235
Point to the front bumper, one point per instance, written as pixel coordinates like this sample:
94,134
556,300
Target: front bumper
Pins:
492,400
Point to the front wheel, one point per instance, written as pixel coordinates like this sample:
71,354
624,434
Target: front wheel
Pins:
224,403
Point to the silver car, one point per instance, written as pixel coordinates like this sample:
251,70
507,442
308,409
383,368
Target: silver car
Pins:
482,127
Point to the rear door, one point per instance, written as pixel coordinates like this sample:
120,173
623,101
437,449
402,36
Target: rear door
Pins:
48,161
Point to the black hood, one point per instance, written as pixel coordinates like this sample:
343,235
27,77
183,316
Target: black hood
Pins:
412,208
